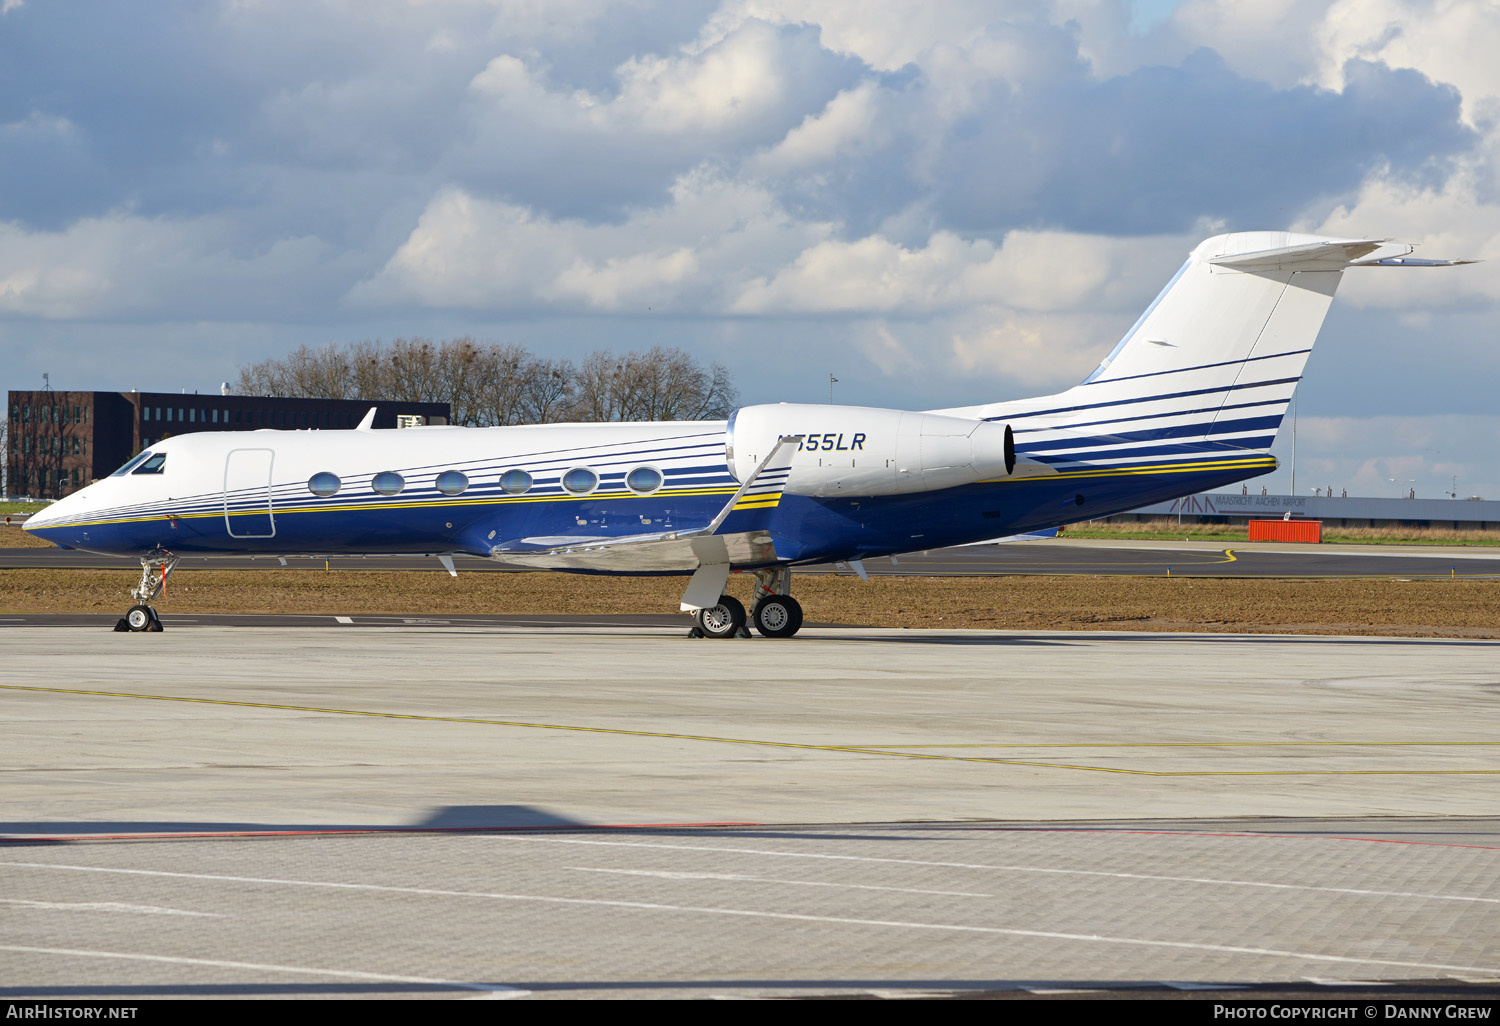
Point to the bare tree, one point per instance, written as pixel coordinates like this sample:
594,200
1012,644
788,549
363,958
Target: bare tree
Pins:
668,384
658,384
501,385
548,391
462,374
600,387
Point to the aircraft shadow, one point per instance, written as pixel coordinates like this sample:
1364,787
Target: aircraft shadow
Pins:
451,819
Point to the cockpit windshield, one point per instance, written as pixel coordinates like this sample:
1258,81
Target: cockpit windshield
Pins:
147,462
133,462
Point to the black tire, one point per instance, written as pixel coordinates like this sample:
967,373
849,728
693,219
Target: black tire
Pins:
778,616
724,620
139,618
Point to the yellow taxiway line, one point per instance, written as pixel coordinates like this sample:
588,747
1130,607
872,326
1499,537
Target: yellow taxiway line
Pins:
887,752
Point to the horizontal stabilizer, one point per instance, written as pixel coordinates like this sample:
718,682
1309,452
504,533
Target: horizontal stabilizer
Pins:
1324,255
1330,255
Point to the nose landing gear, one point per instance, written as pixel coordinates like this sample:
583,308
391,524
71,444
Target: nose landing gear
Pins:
156,567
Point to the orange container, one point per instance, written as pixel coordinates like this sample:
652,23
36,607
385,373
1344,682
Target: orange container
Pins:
1286,530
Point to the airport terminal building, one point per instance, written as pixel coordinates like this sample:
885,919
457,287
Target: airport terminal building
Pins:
1333,510
58,442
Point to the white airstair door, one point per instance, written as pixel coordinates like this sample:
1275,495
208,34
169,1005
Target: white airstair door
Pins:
247,493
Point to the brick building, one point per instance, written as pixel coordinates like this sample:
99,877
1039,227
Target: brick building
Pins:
60,441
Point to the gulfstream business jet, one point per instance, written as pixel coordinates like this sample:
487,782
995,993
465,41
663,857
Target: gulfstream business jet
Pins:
1189,400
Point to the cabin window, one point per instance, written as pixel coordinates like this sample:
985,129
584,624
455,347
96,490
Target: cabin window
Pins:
517,482
152,465
388,483
580,480
643,480
451,482
323,484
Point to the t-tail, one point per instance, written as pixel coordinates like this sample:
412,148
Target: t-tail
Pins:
1210,368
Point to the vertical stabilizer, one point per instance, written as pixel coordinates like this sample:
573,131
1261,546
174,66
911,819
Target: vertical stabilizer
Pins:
1214,359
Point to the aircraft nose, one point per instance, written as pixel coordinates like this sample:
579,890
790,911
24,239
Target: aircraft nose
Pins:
59,512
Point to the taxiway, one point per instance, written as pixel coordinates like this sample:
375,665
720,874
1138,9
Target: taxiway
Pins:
449,811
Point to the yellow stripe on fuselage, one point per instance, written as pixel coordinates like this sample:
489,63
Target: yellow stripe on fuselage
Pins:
749,502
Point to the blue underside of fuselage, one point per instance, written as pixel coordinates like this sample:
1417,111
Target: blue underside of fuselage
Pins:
804,530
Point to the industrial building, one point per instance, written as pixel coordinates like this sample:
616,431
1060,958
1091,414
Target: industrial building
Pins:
59,442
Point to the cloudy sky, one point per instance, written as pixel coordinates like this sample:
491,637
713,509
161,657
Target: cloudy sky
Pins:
938,202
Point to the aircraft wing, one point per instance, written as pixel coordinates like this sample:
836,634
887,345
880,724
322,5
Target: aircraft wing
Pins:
670,550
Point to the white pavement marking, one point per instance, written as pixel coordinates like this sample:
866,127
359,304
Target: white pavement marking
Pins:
651,906
343,619
106,906
351,974
674,875
1013,869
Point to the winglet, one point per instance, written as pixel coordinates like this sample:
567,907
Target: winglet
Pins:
368,423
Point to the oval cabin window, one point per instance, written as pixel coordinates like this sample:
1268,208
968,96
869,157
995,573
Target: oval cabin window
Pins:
580,480
451,482
643,480
388,483
324,484
516,482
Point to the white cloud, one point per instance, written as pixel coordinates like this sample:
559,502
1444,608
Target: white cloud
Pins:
748,75
1036,271
684,255
1273,40
886,34
40,124
1039,350
125,265
850,123
622,282
1454,41
735,79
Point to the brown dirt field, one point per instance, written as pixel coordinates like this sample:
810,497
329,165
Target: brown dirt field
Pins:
15,538
1435,608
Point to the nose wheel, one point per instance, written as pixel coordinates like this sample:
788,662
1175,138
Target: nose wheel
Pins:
139,618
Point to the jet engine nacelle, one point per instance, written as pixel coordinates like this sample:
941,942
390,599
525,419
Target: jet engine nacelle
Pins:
861,450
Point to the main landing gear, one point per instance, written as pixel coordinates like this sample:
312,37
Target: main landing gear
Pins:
775,614
156,567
